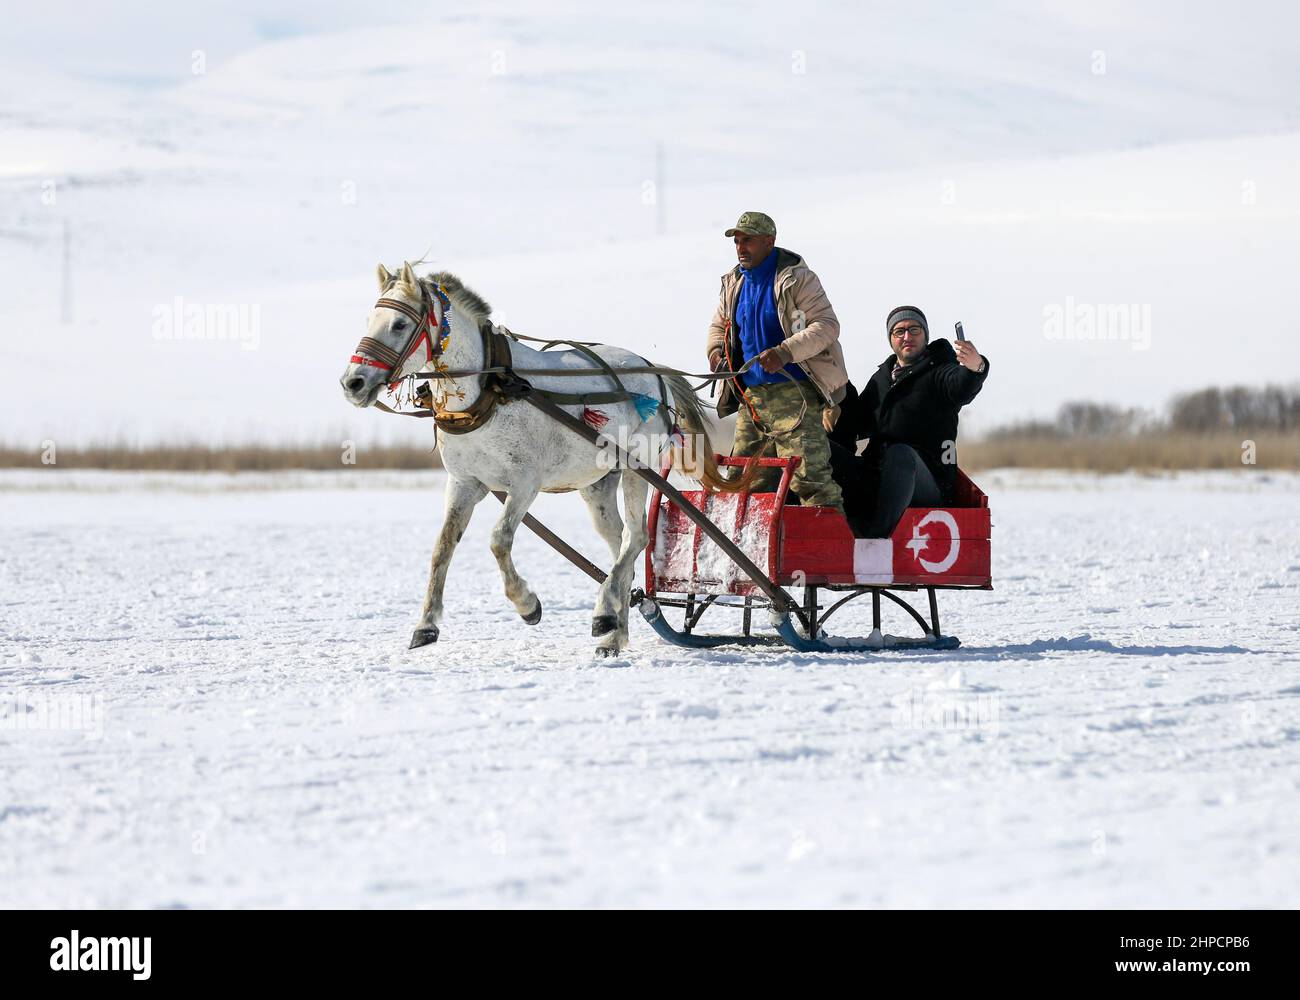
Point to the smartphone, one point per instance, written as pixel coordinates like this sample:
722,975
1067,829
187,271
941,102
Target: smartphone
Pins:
961,335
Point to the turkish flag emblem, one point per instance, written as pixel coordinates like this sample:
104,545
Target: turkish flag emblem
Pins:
935,551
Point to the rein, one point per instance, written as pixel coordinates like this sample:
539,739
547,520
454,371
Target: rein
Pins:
517,375
580,372
501,380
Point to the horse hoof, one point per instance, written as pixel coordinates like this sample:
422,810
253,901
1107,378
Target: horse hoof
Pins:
534,616
603,625
606,652
423,636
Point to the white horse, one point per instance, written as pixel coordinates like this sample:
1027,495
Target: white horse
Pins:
519,450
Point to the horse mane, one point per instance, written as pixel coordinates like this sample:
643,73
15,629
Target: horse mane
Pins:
459,293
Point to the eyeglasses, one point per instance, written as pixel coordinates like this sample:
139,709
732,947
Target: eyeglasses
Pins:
902,331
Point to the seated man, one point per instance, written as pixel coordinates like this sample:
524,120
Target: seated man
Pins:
773,308
909,411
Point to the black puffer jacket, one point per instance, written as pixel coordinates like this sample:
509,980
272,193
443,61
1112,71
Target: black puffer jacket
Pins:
920,410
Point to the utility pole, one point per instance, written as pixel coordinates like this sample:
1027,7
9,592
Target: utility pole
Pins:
67,273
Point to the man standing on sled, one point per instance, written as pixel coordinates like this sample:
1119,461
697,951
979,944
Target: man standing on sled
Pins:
909,411
773,308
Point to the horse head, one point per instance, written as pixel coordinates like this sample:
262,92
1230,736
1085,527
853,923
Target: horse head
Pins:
406,331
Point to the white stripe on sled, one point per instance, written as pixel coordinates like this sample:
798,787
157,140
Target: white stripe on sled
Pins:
873,560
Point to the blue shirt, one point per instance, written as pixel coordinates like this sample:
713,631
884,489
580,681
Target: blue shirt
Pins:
757,321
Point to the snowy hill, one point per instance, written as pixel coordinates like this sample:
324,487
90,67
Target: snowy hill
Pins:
988,164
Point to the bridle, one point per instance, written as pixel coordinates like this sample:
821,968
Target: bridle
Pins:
375,354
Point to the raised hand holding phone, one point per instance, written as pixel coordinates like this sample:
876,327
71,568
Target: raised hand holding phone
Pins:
967,355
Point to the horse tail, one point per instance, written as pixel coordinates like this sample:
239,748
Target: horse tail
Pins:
696,460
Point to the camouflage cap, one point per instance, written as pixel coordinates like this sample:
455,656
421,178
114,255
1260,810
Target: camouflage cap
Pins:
753,224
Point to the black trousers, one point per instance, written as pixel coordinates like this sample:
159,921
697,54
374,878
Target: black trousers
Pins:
874,500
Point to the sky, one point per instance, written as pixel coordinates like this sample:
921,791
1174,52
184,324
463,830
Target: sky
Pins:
1104,194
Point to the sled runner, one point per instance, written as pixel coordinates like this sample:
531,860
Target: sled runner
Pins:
931,549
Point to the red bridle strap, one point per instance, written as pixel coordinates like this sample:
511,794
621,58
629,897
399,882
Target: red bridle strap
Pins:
375,354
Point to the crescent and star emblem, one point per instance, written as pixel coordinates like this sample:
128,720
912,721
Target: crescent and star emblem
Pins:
920,542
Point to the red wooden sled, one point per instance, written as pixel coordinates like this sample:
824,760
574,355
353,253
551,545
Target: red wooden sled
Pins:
932,548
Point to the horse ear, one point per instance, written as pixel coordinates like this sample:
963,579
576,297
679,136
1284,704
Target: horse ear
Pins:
408,276
385,277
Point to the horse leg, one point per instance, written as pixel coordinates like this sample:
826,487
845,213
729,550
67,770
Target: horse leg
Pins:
459,500
615,589
525,601
602,503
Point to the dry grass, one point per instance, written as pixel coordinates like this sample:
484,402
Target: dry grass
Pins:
240,458
1163,450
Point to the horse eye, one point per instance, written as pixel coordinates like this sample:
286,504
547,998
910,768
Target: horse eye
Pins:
399,324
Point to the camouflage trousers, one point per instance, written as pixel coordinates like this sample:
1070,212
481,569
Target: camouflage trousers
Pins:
777,406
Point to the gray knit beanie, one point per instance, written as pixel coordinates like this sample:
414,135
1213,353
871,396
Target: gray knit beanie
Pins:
900,313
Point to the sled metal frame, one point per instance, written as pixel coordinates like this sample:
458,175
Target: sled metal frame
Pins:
694,606
809,621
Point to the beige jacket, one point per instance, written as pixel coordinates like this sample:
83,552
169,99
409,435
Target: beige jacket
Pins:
812,333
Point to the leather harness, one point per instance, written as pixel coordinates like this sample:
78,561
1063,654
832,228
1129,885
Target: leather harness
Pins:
501,384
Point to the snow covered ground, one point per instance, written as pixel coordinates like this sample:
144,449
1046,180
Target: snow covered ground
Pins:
205,700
